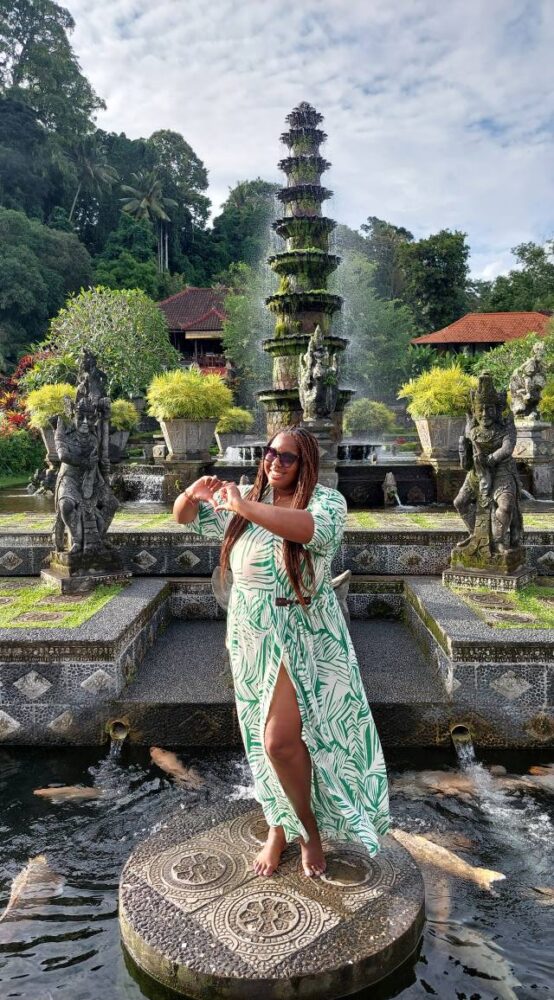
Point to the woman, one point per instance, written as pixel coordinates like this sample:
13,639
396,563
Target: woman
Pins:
308,733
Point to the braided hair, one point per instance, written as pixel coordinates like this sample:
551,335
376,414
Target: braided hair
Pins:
298,562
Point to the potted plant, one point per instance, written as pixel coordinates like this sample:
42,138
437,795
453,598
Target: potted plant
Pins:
546,409
439,401
231,427
368,419
124,417
187,405
44,406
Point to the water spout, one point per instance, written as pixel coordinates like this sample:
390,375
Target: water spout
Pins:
118,729
463,743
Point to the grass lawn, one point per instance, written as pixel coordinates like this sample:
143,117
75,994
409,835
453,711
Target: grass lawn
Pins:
533,602
36,605
20,480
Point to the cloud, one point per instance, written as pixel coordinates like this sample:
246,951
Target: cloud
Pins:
438,115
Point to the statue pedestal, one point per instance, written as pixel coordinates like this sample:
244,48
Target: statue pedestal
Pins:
475,563
324,431
80,572
535,449
490,579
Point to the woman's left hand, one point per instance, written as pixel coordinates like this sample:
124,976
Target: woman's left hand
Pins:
228,498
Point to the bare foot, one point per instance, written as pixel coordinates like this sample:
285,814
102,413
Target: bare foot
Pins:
269,857
313,861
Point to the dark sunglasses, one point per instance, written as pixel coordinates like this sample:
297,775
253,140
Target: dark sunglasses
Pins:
286,458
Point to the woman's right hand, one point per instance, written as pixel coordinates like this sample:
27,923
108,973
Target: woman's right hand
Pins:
204,488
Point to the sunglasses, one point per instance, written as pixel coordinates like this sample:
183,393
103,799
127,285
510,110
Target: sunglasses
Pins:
286,458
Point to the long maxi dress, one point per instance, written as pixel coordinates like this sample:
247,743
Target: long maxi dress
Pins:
349,795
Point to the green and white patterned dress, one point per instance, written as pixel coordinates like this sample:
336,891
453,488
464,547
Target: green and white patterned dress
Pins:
349,781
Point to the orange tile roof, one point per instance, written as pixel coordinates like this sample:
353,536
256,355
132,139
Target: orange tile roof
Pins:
488,328
195,309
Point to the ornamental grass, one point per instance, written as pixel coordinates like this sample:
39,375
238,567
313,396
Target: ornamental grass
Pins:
439,392
187,394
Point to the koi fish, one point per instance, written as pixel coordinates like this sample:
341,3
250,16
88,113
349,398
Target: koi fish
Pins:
64,792
425,851
170,763
34,882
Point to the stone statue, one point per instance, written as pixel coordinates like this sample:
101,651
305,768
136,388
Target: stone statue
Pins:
390,490
527,383
488,501
85,503
318,379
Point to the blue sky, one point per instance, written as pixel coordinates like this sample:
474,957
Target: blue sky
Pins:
440,113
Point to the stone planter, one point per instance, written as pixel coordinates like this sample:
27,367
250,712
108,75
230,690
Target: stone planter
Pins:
440,437
188,439
232,439
118,444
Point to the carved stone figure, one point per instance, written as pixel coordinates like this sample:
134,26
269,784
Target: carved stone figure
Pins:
85,503
488,501
318,379
527,384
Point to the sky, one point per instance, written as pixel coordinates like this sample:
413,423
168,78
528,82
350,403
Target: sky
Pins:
440,113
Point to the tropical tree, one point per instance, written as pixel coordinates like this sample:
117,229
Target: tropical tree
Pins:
146,201
39,67
93,171
383,241
39,267
125,329
435,271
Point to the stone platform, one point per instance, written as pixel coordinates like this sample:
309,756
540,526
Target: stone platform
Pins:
195,917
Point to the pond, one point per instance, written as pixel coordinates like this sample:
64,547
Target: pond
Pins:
477,944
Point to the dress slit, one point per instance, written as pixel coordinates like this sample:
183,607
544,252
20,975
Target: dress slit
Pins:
267,701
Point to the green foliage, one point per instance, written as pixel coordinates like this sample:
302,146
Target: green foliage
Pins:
187,394
502,360
376,361
124,415
241,230
382,243
546,408
248,323
39,267
47,402
439,392
39,67
20,453
124,329
235,420
367,415
434,274
49,370
527,287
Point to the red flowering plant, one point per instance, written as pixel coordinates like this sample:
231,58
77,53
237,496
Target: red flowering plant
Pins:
13,416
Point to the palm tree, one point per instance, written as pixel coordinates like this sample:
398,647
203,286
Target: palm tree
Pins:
146,201
93,171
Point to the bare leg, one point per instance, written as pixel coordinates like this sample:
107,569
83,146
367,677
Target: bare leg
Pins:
291,760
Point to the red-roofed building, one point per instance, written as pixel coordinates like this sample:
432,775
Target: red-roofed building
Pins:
195,318
481,331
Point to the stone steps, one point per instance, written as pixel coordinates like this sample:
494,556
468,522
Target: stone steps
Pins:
183,691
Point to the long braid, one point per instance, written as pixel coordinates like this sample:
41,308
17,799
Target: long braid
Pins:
298,562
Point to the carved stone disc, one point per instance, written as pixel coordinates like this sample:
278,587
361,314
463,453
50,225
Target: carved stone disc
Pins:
196,918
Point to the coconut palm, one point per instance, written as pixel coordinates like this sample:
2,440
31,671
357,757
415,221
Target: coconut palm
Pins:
146,201
93,171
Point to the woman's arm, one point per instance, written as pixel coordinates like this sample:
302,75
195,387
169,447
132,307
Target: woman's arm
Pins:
185,507
294,525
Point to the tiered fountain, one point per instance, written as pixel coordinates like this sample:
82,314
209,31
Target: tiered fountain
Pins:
302,302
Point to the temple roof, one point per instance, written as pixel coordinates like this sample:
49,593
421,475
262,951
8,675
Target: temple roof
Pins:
488,328
195,309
